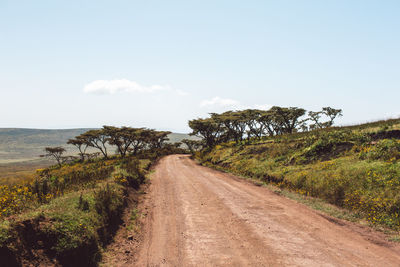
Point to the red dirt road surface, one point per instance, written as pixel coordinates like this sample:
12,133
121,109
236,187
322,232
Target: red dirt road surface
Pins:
202,217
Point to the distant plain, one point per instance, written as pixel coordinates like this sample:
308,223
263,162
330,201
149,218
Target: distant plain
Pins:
20,149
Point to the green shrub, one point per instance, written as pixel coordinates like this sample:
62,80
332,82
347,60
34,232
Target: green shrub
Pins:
327,146
135,176
386,149
109,202
83,204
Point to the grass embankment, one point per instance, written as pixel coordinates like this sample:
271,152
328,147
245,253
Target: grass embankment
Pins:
356,168
66,215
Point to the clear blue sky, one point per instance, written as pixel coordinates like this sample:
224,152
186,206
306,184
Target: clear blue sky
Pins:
67,64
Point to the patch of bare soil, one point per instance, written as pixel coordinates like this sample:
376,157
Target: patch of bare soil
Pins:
127,239
386,135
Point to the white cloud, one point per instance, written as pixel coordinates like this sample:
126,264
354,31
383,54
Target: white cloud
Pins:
181,93
262,107
221,102
218,102
391,115
124,85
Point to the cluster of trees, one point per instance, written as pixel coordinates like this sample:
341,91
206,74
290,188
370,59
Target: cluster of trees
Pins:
126,140
254,123
193,145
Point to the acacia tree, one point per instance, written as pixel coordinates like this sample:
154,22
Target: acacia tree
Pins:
224,121
56,153
172,148
332,114
210,130
192,145
329,112
81,143
97,139
267,121
315,117
232,123
122,138
286,120
251,117
156,139
139,139
239,125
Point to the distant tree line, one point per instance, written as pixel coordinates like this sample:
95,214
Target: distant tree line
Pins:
126,140
254,123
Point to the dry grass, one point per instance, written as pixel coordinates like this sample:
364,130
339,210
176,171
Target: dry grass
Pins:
16,172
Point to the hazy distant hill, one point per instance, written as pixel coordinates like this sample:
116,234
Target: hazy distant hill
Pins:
18,144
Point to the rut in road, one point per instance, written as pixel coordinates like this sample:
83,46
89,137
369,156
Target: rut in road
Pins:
202,217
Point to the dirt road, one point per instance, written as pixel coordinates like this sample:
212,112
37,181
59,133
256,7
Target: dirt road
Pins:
201,217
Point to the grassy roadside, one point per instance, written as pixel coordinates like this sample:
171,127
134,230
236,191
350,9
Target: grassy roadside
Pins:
72,227
335,211
315,203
